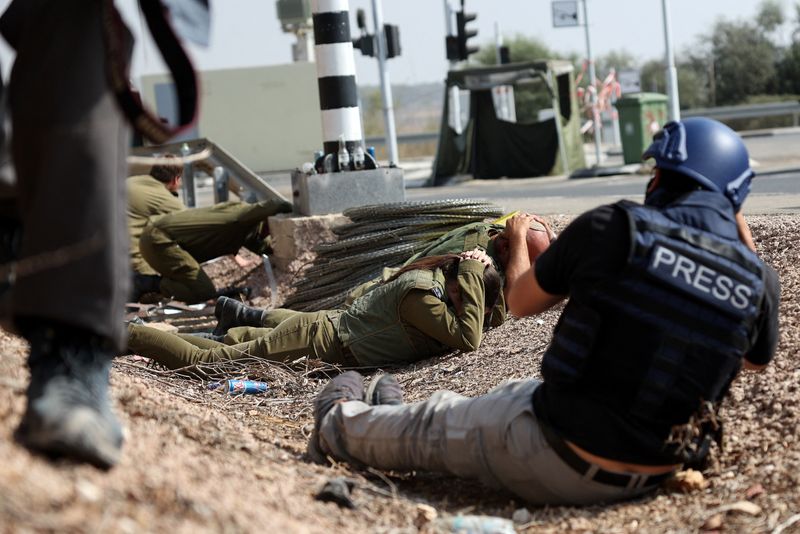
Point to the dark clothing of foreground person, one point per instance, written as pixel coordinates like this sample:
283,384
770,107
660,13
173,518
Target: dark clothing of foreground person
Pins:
666,303
69,144
420,313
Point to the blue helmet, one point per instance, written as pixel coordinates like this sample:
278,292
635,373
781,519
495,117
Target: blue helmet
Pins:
707,152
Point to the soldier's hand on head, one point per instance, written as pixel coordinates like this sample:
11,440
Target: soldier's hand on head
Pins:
551,235
478,255
517,226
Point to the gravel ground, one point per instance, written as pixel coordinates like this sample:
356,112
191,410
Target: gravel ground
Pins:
197,461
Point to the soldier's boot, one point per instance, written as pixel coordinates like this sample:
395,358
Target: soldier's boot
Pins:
144,284
383,389
231,312
234,292
347,386
68,412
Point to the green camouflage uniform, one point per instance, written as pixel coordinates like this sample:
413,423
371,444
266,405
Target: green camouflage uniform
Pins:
146,197
175,244
462,239
403,321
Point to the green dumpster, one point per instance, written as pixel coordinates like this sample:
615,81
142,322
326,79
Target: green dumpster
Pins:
640,116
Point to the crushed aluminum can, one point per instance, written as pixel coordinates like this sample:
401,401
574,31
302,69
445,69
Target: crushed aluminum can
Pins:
240,387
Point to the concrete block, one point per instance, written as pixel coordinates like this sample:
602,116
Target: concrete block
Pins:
319,194
293,237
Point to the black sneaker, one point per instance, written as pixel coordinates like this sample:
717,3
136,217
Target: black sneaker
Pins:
144,284
383,389
347,386
68,412
234,292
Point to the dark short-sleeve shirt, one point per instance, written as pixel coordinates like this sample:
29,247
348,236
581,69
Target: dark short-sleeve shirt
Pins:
590,251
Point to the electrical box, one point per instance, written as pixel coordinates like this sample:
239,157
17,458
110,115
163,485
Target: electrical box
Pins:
641,115
294,14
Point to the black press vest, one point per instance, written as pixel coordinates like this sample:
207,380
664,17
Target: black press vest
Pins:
685,307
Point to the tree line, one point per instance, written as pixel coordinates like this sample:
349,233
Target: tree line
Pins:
736,62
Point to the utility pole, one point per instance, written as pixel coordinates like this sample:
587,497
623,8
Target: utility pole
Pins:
455,95
386,87
338,90
498,43
672,73
592,88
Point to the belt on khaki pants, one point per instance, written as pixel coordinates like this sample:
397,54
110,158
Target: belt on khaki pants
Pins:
594,472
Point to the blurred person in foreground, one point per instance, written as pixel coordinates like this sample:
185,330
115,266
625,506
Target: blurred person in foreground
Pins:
667,302
69,145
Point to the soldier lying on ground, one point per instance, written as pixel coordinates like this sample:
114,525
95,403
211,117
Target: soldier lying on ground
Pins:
238,323
488,236
430,307
667,303
168,241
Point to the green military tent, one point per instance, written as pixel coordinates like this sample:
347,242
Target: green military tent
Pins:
545,140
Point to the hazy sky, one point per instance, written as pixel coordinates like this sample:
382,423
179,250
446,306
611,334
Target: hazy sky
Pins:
247,32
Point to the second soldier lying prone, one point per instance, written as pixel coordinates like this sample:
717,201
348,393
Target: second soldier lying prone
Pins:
429,307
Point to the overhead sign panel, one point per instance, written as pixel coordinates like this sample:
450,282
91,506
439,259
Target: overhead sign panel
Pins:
565,13
630,81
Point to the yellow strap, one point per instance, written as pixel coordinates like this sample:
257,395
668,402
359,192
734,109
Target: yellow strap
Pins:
502,220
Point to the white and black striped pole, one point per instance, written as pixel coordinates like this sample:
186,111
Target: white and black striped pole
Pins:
336,77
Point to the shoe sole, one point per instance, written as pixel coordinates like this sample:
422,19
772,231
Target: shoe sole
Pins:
89,445
314,451
370,392
219,310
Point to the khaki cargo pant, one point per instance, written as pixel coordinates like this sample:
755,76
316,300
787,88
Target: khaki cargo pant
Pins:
243,334
494,438
303,334
182,276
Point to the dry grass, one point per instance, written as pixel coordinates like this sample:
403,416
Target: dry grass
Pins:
199,461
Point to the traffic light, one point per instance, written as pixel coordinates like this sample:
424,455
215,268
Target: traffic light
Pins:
505,55
365,43
451,44
392,34
464,34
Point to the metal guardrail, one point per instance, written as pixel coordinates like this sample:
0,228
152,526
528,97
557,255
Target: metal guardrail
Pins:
218,157
748,111
414,138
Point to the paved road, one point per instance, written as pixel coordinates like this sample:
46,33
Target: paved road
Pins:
773,193
775,190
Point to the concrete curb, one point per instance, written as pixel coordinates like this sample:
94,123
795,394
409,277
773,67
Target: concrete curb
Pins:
780,170
769,132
